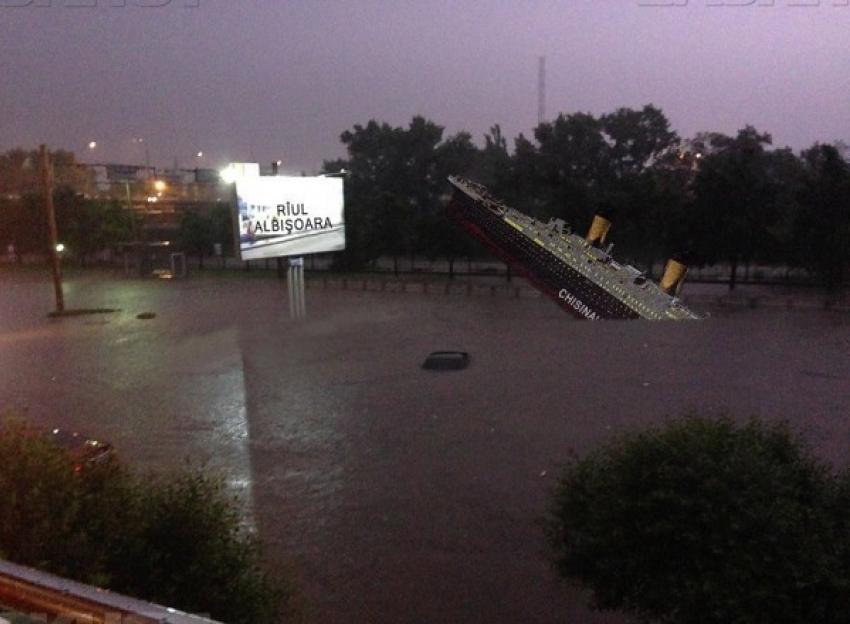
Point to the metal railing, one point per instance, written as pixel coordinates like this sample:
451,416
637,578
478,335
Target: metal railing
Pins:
45,597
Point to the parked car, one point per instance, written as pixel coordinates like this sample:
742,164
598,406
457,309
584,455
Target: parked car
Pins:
84,450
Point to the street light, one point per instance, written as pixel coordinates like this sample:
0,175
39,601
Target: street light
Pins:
92,146
159,187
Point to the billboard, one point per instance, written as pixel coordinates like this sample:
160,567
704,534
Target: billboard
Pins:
288,216
122,173
207,176
172,176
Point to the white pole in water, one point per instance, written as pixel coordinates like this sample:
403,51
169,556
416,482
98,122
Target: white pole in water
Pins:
295,288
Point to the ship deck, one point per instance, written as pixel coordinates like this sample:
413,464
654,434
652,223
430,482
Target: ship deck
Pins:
585,280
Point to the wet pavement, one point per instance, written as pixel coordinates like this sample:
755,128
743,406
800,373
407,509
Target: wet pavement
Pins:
392,493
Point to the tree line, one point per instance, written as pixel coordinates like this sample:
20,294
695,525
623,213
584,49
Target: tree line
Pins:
714,198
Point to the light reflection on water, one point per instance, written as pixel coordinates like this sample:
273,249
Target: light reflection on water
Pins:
165,391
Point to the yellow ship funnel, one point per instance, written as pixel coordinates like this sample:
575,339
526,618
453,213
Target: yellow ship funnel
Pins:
674,277
600,226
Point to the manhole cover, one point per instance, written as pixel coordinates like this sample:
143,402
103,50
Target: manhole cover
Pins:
446,360
145,315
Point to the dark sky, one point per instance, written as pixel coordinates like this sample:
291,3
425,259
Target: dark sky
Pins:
262,80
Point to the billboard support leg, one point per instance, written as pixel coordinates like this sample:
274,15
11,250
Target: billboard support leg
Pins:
295,288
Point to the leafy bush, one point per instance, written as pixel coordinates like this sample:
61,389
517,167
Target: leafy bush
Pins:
53,517
191,549
706,520
176,540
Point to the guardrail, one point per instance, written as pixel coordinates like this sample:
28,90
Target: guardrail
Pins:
46,597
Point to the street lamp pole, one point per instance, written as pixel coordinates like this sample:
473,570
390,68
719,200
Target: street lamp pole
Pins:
47,184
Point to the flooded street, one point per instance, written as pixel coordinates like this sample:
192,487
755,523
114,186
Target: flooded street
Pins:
392,493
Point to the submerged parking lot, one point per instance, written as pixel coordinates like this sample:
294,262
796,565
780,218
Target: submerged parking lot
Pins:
393,493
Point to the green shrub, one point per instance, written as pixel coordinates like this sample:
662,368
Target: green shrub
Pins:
706,520
177,540
51,516
191,549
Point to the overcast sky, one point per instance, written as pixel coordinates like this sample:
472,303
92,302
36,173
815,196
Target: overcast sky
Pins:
263,80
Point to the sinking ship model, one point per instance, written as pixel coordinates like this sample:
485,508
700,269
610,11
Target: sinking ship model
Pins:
576,272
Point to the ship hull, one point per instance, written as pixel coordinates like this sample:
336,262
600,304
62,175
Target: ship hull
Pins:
571,290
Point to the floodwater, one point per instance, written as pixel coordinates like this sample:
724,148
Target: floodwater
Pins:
393,493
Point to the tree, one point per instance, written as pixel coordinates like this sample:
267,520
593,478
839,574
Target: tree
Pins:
822,225
26,227
400,169
87,226
438,236
197,234
672,204
222,226
389,227
706,520
581,161
400,161
84,225
571,166
637,139
531,191
640,146
494,168
737,192
9,209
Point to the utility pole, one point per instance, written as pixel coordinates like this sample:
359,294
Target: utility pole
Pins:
47,184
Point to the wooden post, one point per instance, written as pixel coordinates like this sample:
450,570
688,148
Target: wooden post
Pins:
47,184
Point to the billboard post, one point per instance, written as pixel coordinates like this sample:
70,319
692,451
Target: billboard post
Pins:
295,285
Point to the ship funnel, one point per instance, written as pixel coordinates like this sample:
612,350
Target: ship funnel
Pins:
600,226
674,275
